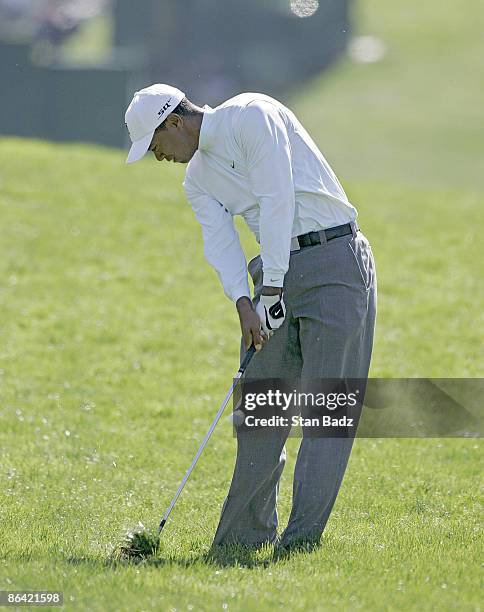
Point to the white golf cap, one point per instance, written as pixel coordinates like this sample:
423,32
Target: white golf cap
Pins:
147,110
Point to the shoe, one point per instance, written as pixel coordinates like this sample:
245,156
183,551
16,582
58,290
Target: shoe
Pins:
283,550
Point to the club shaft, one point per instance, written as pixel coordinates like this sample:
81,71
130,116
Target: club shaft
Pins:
242,368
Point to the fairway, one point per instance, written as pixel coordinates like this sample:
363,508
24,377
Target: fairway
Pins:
107,390
117,347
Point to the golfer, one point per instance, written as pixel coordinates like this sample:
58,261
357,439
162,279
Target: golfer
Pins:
314,306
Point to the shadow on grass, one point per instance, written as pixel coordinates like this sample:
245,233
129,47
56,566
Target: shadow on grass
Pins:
226,555
230,555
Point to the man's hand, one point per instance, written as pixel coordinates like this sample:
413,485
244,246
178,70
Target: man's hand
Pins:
250,324
271,309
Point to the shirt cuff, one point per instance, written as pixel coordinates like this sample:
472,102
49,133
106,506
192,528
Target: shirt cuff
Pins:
273,279
240,292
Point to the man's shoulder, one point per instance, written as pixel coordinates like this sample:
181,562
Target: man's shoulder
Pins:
249,100
249,111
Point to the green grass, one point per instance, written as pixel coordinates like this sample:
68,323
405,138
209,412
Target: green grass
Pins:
117,346
416,117
108,384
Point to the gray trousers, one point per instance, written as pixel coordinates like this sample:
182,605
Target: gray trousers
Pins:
330,295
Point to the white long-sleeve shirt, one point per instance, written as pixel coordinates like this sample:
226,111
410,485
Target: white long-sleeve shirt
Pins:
256,160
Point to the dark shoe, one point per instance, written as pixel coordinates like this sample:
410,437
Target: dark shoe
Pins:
284,550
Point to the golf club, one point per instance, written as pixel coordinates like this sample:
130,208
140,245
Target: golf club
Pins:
140,542
240,372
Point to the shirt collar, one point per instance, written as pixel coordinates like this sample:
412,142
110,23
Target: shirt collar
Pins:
207,128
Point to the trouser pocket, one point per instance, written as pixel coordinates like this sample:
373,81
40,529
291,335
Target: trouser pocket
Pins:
363,257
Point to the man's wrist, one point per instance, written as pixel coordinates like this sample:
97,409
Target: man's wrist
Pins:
266,290
244,303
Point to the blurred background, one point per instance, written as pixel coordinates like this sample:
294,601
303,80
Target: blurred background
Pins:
373,82
81,60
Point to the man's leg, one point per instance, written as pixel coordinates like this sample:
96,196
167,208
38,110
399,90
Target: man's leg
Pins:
249,514
336,335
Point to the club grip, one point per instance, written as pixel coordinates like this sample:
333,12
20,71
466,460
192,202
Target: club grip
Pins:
247,358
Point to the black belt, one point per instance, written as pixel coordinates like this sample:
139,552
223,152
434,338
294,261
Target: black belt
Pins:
314,238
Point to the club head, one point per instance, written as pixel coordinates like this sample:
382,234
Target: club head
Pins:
139,543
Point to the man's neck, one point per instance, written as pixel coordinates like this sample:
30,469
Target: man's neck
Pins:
197,124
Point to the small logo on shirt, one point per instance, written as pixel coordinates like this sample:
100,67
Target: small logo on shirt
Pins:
233,164
165,107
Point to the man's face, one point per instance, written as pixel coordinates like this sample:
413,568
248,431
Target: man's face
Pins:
174,142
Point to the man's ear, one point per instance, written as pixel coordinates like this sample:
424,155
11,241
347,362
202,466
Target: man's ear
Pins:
173,121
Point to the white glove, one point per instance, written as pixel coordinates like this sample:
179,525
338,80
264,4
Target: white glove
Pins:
272,312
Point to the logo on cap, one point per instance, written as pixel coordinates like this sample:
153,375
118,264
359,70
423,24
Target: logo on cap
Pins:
165,107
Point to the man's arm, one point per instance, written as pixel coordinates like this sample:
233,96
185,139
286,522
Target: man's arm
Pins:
223,251
265,144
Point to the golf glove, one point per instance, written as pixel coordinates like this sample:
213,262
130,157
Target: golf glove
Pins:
272,312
